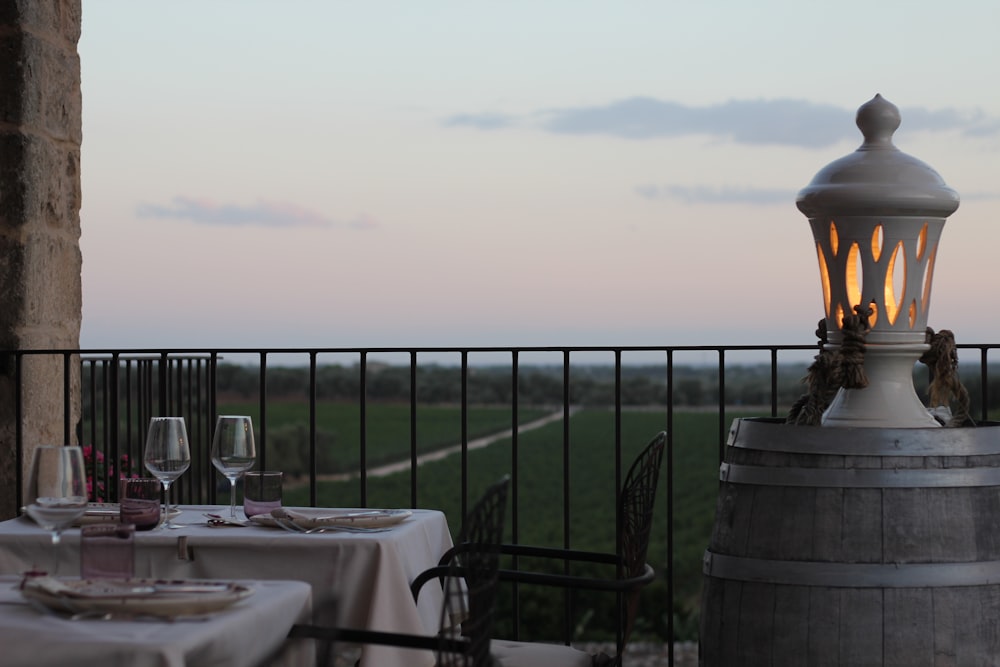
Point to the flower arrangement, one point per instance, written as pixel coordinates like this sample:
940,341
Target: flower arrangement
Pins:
99,469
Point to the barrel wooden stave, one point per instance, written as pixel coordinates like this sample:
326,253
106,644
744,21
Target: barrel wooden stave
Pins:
764,623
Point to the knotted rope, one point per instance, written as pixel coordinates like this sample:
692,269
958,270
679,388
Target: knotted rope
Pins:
832,370
945,389
845,368
808,409
850,363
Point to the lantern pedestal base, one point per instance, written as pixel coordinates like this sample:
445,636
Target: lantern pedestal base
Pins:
889,400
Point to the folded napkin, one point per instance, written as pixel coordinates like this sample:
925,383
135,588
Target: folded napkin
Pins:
361,518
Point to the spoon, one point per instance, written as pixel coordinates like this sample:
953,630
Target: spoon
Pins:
217,521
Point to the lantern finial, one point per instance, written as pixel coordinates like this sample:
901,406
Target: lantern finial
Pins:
878,119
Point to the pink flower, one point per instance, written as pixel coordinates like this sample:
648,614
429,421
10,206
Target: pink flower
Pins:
94,460
94,463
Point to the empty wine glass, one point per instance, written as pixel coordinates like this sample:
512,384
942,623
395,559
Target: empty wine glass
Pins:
57,490
167,455
233,451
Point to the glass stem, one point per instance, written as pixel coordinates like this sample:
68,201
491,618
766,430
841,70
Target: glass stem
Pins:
166,503
232,497
56,537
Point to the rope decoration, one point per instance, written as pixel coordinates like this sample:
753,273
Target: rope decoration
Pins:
832,370
850,363
844,367
808,409
945,389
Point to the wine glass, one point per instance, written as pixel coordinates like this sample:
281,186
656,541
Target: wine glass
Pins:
233,451
57,490
168,454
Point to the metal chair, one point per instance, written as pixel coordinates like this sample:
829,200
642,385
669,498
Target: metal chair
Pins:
635,517
468,575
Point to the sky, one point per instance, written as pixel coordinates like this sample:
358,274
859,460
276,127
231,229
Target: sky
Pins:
527,172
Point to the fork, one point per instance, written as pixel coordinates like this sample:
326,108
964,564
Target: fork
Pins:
293,527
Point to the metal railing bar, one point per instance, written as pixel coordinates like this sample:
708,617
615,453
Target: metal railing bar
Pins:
465,432
111,424
67,399
619,518
91,465
312,428
213,405
203,423
186,400
363,381
162,378
262,398
134,457
671,630
722,404
18,427
513,494
774,382
567,397
983,384
111,459
413,429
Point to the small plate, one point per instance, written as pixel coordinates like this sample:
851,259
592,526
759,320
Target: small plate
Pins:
103,512
156,597
318,517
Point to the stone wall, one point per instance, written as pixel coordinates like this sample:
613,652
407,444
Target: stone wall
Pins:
40,261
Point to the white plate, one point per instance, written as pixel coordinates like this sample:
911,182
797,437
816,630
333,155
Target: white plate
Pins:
317,517
154,597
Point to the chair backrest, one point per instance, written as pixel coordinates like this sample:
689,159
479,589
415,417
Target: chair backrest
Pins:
470,590
635,521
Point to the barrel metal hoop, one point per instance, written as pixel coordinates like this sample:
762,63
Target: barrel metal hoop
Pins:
862,478
769,436
851,575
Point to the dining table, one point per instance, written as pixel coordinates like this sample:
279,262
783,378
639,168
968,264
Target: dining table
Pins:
251,632
364,576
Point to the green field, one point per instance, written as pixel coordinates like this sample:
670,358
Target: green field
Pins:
387,432
541,459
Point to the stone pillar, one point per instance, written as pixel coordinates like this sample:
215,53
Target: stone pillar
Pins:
40,261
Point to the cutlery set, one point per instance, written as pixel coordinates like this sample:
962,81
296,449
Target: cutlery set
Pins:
282,520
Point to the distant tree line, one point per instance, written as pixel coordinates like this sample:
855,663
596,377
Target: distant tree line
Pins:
748,385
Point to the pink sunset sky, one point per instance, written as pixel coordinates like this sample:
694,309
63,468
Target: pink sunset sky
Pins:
521,173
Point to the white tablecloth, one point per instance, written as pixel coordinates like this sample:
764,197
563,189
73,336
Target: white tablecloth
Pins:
244,634
368,574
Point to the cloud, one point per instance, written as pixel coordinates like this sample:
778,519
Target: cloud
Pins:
702,194
713,195
979,195
486,121
261,214
783,122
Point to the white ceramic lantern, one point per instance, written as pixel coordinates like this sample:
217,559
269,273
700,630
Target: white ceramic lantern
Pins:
876,217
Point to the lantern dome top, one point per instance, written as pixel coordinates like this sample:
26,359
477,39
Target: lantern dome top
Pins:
877,178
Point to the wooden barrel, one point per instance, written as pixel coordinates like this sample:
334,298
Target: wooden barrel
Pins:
854,547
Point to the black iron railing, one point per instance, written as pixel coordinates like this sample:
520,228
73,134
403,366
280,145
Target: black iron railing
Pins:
121,389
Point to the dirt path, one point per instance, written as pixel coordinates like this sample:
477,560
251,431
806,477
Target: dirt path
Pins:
438,454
